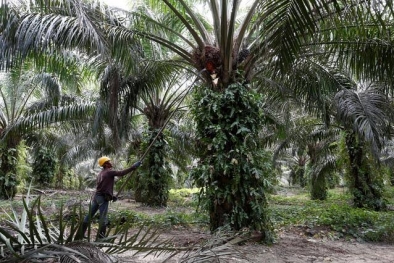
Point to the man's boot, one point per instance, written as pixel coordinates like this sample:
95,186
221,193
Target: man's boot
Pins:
101,233
84,228
81,231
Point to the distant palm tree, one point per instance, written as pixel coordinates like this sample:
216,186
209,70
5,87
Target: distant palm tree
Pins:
364,112
311,145
159,106
55,31
366,115
30,102
124,69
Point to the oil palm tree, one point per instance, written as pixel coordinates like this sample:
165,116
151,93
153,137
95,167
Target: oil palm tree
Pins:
311,145
235,49
121,80
307,91
365,114
55,29
166,125
30,102
212,56
342,102
151,90
159,106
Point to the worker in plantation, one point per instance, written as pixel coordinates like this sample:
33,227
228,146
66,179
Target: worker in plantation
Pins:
104,194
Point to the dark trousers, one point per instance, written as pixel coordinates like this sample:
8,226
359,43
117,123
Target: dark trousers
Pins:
99,203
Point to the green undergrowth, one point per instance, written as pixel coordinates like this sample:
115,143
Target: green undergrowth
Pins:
185,197
335,214
181,211
169,218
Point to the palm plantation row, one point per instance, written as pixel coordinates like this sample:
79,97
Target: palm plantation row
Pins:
262,78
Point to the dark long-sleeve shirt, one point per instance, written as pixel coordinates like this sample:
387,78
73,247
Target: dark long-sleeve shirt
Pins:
106,180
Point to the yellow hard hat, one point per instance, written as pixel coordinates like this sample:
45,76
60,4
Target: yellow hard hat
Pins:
103,160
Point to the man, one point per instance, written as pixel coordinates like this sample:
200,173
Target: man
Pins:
104,194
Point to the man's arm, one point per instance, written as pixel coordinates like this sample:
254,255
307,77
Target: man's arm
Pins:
128,170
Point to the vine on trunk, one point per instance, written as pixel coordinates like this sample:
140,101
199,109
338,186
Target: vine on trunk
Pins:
234,170
363,175
153,185
8,176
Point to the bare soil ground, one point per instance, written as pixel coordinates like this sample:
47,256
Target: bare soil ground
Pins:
293,245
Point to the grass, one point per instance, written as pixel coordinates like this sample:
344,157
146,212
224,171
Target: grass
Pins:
181,211
336,214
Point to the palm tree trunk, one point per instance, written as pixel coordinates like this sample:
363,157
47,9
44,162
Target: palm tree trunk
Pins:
301,176
152,188
233,168
317,180
8,176
367,189
318,186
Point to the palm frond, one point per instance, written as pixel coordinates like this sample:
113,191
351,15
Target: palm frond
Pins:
361,39
364,112
221,246
195,35
9,19
324,165
246,23
286,28
48,117
36,237
48,24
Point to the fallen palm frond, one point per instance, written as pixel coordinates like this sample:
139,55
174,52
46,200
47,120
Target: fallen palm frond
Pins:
221,247
30,236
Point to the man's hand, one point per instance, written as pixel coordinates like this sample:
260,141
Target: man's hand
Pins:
114,198
137,164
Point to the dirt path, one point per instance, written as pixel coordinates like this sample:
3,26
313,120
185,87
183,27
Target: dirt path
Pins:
292,246
295,245
297,249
